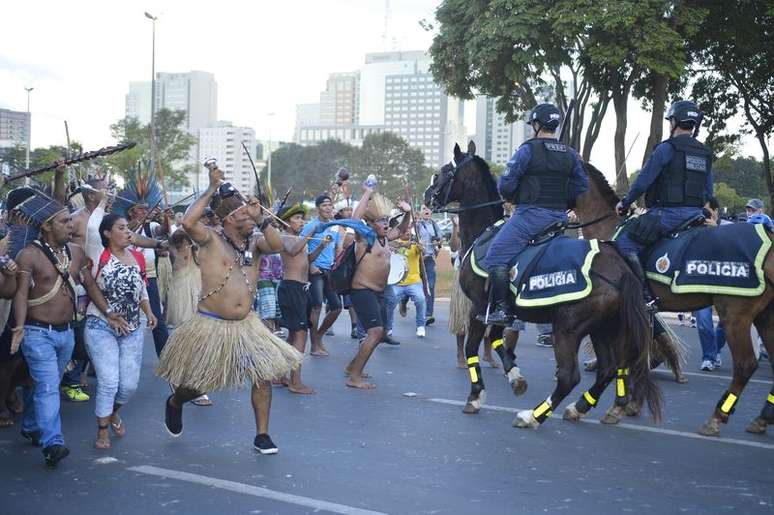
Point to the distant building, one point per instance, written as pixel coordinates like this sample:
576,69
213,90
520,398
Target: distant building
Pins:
194,92
352,134
15,127
224,143
339,103
496,140
307,115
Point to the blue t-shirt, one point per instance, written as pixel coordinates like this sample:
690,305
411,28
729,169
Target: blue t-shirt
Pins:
326,258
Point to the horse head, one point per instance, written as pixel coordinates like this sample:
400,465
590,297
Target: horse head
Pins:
455,180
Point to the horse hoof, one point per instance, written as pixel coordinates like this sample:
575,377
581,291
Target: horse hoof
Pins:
613,415
525,419
572,414
473,406
633,409
471,409
710,428
680,378
517,381
757,426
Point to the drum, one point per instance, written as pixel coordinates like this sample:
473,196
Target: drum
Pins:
398,269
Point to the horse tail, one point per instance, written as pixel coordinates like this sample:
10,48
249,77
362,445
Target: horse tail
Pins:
637,334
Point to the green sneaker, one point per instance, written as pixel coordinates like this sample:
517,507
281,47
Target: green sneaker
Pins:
75,394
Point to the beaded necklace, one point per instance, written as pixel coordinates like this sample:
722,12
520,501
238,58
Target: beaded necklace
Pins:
239,259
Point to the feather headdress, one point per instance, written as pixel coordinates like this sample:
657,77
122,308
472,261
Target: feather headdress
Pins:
378,207
28,210
141,187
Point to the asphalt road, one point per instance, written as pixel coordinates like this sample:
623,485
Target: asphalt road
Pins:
381,451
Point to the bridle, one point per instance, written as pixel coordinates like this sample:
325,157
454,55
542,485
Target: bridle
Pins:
445,189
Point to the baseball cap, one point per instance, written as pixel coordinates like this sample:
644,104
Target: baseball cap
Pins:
755,203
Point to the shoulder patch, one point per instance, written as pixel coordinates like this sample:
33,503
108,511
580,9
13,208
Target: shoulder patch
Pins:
555,147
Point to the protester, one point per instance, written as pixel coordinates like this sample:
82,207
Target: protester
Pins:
756,214
411,287
225,344
343,210
269,277
116,350
429,237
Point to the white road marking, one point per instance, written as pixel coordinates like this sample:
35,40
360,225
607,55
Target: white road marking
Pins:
256,491
707,375
624,425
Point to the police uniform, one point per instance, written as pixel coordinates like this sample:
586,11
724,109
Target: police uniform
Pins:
676,181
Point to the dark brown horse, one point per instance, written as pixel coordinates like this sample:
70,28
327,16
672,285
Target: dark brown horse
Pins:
613,314
738,314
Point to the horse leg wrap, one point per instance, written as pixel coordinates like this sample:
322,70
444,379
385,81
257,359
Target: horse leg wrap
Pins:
767,413
542,411
726,404
497,343
474,369
621,393
586,402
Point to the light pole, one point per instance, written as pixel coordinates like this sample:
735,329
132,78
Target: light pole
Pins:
268,160
153,95
29,129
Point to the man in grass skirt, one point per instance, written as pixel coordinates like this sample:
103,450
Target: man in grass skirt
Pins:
225,344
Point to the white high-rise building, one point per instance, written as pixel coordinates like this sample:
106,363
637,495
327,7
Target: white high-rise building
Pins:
496,140
307,115
14,128
194,92
224,143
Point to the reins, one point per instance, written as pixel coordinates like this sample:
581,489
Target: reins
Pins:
460,209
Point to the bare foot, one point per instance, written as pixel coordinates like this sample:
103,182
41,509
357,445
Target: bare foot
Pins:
492,362
364,374
281,382
320,351
103,440
300,389
357,382
461,363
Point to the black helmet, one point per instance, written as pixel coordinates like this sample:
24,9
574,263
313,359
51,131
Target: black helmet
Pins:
546,115
685,113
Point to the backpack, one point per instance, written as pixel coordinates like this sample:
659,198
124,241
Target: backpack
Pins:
343,269
138,256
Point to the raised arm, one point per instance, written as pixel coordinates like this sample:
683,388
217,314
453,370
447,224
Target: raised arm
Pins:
60,184
362,206
395,232
192,219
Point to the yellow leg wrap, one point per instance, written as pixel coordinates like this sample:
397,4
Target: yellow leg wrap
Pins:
473,360
589,398
623,372
497,343
770,398
728,403
542,411
473,374
620,387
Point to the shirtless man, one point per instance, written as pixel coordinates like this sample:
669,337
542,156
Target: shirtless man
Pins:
369,281
225,344
292,290
43,309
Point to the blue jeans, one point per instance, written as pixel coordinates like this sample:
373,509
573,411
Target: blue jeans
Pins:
712,339
388,315
117,361
47,352
430,269
160,333
417,296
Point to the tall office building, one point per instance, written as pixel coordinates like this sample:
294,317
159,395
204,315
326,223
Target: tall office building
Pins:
194,92
339,102
224,142
15,127
307,115
496,140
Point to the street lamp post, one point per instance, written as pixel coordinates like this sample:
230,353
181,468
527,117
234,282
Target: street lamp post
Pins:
268,160
29,129
153,94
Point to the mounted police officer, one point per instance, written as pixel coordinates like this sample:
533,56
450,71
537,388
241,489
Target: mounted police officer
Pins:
543,179
676,181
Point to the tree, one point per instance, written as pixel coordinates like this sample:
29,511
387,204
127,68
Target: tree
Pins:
728,197
310,170
734,51
743,174
394,163
15,159
173,145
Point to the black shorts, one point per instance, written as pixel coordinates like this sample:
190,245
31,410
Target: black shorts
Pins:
369,306
293,299
320,289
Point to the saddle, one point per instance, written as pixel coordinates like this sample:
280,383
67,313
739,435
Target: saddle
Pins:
552,269
726,260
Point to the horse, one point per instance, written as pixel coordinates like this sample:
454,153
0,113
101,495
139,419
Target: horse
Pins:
613,314
737,313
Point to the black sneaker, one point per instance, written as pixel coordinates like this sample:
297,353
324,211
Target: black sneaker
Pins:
54,454
173,419
545,340
264,445
32,436
389,340
430,320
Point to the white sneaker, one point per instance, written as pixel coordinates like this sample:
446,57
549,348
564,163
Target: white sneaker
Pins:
421,332
708,365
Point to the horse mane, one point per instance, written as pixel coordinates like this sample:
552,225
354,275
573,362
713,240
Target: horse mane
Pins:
489,181
607,191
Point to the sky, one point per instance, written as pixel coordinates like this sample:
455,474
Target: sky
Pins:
267,56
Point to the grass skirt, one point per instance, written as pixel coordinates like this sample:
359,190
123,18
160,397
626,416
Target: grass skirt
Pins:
183,294
459,309
164,274
208,354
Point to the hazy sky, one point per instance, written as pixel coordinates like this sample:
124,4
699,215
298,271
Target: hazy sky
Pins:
267,56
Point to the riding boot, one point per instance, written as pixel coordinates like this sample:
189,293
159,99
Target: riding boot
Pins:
499,309
634,263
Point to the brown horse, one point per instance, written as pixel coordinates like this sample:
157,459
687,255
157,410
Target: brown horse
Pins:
613,314
737,313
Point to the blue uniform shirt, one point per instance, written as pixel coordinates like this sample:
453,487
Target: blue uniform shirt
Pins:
509,182
326,258
656,164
